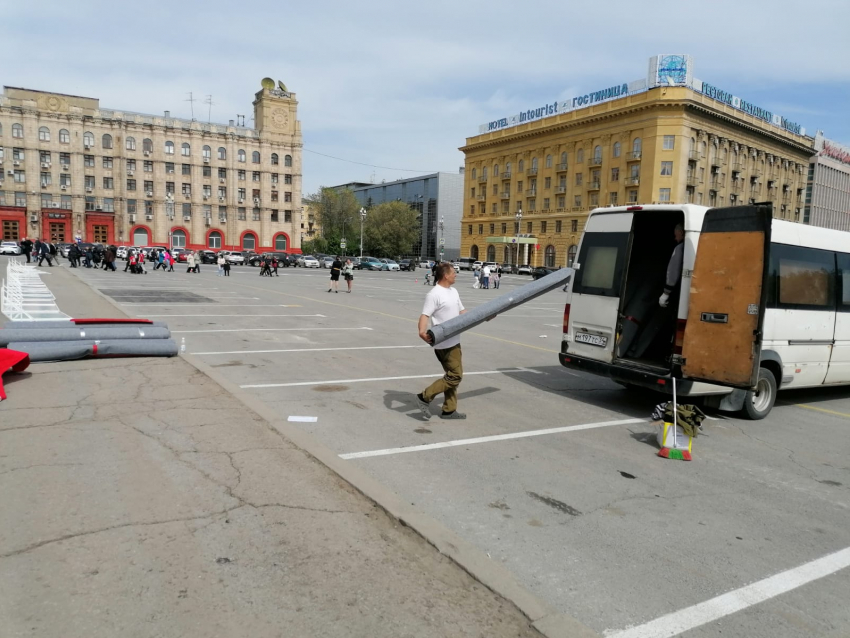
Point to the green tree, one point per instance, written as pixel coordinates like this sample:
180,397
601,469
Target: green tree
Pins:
315,245
391,230
337,212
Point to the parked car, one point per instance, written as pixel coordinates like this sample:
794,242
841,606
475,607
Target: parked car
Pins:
63,249
426,263
370,263
182,256
524,270
492,264
389,264
407,264
9,248
308,261
507,268
477,265
248,255
326,261
209,257
541,271
234,257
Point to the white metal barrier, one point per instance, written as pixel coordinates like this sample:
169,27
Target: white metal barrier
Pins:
24,297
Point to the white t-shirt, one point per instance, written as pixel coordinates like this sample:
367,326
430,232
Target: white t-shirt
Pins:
442,304
486,271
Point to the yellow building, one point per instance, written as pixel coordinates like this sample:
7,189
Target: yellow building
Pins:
532,182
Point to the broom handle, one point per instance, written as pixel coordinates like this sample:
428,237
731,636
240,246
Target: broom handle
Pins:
675,414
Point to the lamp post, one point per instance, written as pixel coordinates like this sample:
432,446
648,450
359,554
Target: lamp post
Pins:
169,212
362,219
518,222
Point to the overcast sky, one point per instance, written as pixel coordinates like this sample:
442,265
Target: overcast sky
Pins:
399,86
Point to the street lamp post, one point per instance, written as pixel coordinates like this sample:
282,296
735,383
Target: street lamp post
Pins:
169,212
362,219
518,222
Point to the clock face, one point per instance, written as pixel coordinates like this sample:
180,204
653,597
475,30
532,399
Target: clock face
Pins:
280,117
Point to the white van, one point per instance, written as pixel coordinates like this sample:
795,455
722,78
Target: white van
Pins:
465,263
761,304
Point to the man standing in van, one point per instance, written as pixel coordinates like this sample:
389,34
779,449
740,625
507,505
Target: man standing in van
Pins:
674,267
441,304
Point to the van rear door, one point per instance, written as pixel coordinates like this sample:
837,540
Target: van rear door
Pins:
595,300
728,291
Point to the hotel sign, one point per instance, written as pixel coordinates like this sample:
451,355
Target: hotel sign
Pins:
720,95
836,152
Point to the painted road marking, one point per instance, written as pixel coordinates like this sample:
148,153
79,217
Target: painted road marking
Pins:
248,329
337,381
824,410
206,315
268,330
487,439
296,349
685,619
303,419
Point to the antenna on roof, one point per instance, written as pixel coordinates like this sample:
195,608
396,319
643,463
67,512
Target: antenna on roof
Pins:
191,102
209,101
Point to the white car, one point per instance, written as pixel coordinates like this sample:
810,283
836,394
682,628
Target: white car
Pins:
308,261
389,265
121,253
234,257
524,270
327,262
9,248
426,263
477,265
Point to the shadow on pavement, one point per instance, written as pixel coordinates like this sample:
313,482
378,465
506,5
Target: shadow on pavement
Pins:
409,406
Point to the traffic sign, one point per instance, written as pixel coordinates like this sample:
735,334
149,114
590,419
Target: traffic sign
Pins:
442,241
342,244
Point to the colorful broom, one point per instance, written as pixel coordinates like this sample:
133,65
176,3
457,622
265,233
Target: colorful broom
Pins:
674,452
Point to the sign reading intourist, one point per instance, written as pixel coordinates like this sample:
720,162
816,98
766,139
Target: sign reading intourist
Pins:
664,70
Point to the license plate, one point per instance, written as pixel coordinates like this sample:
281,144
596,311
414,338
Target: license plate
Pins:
592,340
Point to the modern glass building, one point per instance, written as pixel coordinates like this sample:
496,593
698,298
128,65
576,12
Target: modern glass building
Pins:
437,198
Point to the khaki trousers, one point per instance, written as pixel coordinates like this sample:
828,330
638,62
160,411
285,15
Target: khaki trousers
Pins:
450,359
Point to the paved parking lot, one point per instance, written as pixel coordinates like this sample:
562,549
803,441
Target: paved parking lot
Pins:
554,473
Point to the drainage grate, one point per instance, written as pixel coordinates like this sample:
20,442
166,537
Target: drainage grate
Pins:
133,295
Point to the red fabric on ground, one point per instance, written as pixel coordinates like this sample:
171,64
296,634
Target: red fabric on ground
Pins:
17,361
81,322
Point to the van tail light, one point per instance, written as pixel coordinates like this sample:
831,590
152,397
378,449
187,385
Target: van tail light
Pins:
680,335
566,318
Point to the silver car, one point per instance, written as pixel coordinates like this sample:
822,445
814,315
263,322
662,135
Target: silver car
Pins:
9,248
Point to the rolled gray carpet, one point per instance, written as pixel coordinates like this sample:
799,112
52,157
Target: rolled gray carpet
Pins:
500,305
85,333
70,350
68,323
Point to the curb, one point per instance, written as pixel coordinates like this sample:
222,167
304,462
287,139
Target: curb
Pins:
544,617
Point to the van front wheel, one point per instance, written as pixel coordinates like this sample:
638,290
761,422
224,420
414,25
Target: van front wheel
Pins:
759,402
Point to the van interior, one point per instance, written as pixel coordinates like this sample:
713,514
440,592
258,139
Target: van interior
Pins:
646,332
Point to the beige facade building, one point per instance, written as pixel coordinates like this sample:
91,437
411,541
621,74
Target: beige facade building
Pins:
71,169
531,184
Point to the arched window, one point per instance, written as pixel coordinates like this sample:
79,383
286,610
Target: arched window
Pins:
597,154
506,256
185,149
533,163
491,253
548,161
616,149
693,145
495,170
147,145
275,160
579,156
255,157
17,131
508,168
550,257
473,252
222,153
571,255
484,173
474,173
141,237
106,141
723,154
169,148
178,238
88,140
636,146
64,136
43,134
214,240
249,241
130,143
207,153
280,242
702,147
240,156
521,166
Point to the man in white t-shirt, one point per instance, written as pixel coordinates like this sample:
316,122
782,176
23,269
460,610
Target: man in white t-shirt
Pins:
485,276
441,304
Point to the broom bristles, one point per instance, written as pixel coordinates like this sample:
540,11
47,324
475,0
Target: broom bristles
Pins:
678,455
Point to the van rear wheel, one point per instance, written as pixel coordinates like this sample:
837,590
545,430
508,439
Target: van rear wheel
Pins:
759,402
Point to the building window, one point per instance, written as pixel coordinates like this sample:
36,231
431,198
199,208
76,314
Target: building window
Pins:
88,140
469,229
580,156
597,155
667,168
20,177
255,214
255,157
185,169
571,255
108,182
275,161
207,190
149,207
275,217
147,145
612,198
169,148
287,178
131,184
240,156
529,227
46,179
241,213
632,197
222,173
287,216
669,142
480,229
222,153
130,143
636,147
108,205
148,166
521,166
287,160
64,136
542,227
107,162
131,205
594,200
616,149
547,182
548,161
280,242
579,178
187,210
17,131
64,179
169,188
214,240
255,176
249,241
43,134
545,203
663,194
222,192
149,188
185,149
187,189
222,213
240,175
206,171
169,167
178,238
106,141
615,174
574,226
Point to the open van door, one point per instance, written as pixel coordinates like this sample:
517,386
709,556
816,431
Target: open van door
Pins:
723,334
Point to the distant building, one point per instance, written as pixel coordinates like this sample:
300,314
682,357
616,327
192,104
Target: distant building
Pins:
438,198
828,188
71,169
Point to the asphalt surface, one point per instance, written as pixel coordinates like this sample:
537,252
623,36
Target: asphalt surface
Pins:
589,519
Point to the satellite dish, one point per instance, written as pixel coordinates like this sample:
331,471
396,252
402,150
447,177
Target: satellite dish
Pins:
267,83
282,86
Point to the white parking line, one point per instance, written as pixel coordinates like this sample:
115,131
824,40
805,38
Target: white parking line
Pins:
269,330
295,349
487,439
219,305
415,376
685,619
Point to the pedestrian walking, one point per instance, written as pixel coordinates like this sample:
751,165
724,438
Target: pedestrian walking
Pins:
54,251
170,258
221,261
348,273
226,268
476,274
265,267
336,269
275,264
44,253
434,273
141,263
74,255
26,248
441,304
88,257
111,254
495,277
485,277
190,262
197,255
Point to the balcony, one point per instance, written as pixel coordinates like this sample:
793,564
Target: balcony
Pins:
633,181
560,190
739,167
481,198
531,171
717,161
506,195
692,180
482,179
736,186
716,184
506,175
576,209
594,161
757,171
694,156
593,185
531,192
562,167
633,156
